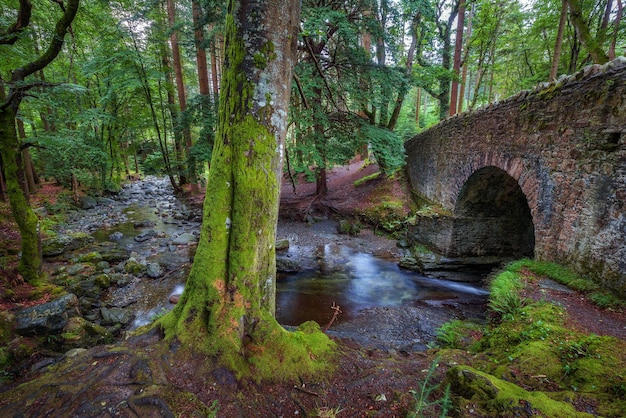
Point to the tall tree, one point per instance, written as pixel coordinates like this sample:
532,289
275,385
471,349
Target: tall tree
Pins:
10,144
182,94
227,308
593,44
456,67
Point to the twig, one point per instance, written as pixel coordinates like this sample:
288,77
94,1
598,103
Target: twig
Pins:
301,389
337,310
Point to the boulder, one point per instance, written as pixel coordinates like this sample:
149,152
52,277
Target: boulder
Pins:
184,239
154,270
48,318
113,316
282,244
502,398
53,246
287,265
88,202
145,236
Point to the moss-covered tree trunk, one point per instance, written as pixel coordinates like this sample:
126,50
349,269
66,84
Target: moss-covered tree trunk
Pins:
30,261
227,308
10,144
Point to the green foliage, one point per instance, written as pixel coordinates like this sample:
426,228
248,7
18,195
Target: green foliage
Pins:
387,146
457,333
425,405
505,297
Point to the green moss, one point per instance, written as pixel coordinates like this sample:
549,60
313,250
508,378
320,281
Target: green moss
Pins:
500,398
92,257
365,179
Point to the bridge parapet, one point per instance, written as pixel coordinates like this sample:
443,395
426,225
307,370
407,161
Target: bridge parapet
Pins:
564,146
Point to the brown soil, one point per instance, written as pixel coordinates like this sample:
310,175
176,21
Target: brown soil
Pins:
368,383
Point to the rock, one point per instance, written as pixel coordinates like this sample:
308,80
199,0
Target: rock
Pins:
74,352
76,269
81,333
145,236
412,264
348,228
134,267
116,236
143,224
154,270
102,265
282,244
92,257
105,201
62,243
112,316
174,299
103,281
184,239
49,318
88,202
114,253
502,398
21,348
286,265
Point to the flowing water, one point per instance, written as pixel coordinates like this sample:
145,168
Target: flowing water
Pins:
356,281
335,269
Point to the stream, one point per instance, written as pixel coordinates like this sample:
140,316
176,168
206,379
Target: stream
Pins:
382,306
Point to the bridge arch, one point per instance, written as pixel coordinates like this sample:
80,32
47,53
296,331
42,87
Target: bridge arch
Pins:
493,216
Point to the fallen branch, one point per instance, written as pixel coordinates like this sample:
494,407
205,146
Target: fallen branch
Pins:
337,310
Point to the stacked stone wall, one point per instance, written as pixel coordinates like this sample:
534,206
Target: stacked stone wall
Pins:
565,145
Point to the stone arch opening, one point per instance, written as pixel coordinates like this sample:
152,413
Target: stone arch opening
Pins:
492,217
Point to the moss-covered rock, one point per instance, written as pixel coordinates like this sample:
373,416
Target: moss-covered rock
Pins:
497,397
59,244
91,257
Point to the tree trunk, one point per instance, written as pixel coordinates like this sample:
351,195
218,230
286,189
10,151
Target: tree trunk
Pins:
27,222
456,66
174,110
227,308
182,95
559,42
201,61
584,34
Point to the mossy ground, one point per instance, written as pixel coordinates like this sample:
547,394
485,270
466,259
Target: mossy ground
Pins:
530,343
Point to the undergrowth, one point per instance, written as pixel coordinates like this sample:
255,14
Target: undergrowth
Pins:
529,344
425,405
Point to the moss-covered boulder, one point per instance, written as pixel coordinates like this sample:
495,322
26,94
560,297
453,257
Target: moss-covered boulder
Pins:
496,397
59,244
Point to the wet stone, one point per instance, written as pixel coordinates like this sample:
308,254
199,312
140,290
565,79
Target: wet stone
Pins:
48,318
112,316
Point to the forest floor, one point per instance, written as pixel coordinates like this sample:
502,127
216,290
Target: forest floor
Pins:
112,381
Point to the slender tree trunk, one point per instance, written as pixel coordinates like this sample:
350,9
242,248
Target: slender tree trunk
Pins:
616,25
27,222
456,66
182,95
29,170
3,183
464,64
418,99
201,60
174,110
559,41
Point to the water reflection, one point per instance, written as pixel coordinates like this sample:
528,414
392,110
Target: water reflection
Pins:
355,281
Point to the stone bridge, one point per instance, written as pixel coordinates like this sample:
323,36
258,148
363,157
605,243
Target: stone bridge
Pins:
540,174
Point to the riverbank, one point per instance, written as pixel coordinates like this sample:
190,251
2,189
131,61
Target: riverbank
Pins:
144,376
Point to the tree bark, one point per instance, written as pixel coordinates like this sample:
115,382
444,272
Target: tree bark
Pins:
584,34
227,308
30,260
456,66
559,42
182,95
